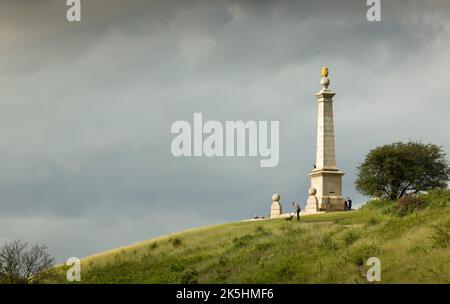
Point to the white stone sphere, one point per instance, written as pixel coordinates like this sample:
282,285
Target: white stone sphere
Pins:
312,191
276,197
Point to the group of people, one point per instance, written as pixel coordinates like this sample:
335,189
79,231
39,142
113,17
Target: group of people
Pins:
347,207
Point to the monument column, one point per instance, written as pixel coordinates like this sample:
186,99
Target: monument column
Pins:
326,178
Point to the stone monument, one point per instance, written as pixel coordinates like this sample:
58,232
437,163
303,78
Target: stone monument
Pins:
276,210
325,193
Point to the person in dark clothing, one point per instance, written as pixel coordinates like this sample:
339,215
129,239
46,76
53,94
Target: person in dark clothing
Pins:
345,205
349,204
297,209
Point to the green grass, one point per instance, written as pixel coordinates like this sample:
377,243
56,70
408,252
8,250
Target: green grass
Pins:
325,248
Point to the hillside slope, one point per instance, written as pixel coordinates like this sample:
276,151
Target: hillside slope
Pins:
326,248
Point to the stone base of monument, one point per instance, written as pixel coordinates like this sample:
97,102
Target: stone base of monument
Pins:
331,203
324,203
276,210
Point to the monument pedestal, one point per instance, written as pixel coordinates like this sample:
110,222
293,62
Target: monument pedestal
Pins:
312,204
275,209
328,185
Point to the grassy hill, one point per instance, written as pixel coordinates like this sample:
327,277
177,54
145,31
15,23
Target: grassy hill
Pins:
411,240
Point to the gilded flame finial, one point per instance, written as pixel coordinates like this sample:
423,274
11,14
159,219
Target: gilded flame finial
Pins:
324,81
325,72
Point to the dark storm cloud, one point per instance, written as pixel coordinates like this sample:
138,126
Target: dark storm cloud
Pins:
86,108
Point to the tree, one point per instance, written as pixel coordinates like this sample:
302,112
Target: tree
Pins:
398,169
20,265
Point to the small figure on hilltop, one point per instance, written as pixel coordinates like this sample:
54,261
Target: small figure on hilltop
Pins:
348,203
259,217
297,210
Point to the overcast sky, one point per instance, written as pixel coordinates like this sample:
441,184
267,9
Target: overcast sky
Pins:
86,108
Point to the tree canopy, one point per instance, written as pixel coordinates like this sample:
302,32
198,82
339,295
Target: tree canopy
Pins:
398,169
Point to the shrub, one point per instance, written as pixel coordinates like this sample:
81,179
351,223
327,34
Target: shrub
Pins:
389,209
350,237
377,204
409,204
437,198
441,236
382,205
360,254
176,242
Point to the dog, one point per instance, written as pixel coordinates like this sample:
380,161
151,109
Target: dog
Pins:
289,218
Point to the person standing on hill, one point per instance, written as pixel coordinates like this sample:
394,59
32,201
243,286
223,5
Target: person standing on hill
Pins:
297,209
349,203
